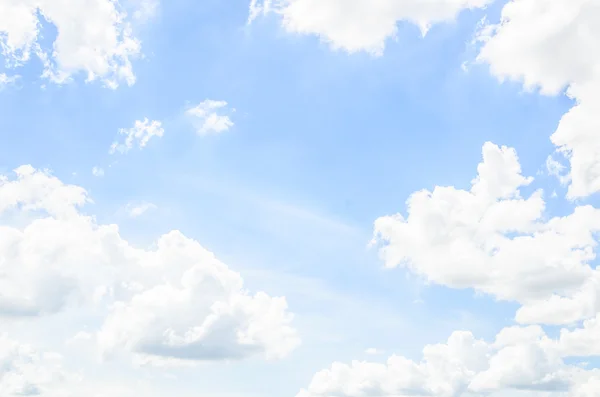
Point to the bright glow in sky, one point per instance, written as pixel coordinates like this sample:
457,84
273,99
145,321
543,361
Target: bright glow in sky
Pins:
309,198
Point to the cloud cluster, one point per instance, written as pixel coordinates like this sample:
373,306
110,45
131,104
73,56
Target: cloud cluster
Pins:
519,360
173,302
491,239
26,372
359,25
552,46
93,37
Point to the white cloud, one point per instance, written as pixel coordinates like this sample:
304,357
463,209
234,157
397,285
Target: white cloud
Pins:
553,46
359,25
94,37
520,359
175,301
136,210
26,372
206,118
495,241
98,172
139,135
34,190
6,79
201,312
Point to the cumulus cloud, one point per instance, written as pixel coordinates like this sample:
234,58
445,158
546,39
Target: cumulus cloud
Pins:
359,25
207,119
551,46
494,240
94,37
139,135
520,359
175,301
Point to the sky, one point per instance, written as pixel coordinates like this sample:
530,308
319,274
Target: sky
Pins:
309,198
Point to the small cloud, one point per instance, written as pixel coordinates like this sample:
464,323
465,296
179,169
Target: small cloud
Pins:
206,118
556,169
140,134
135,211
98,172
6,79
373,351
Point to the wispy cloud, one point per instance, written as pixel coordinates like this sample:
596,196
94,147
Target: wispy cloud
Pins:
98,172
6,79
139,209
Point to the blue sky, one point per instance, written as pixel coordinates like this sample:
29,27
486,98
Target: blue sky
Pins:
324,142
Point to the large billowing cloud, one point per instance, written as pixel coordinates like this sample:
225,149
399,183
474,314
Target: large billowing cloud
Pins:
360,25
552,45
520,360
94,37
191,306
494,240
175,301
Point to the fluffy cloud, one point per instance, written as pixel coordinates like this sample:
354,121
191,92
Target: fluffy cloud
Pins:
520,359
360,25
206,118
175,301
25,372
553,46
94,37
496,241
584,341
191,306
139,135
492,239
